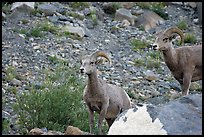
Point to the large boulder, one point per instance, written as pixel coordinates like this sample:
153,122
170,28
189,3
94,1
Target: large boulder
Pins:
124,14
20,10
23,6
149,19
47,9
182,116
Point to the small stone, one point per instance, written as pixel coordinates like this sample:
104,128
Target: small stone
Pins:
73,131
16,82
3,16
36,131
125,23
150,75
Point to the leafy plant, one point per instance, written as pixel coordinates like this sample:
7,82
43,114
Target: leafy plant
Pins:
139,62
11,73
5,126
57,105
189,38
6,7
152,63
75,15
157,7
80,5
138,44
182,25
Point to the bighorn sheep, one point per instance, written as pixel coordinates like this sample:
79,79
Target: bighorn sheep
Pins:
106,99
185,62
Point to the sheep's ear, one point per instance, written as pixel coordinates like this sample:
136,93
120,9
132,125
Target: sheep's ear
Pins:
99,61
172,37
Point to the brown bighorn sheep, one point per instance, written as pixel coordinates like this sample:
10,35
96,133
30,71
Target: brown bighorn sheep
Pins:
185,62
106,99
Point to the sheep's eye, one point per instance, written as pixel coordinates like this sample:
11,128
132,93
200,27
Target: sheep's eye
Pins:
165,39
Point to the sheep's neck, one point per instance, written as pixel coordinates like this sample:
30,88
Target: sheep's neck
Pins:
93,82
170,58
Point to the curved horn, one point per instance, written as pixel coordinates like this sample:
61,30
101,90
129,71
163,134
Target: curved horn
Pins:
100,54
174,30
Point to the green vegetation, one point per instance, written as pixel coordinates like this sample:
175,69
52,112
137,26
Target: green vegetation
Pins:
79,5
157,7
116,6
141,28
24,21
152,63
40,30
5,126
75,15
36,12
6,7
152,60
93,17
58,104
139,62
182,25
11,73
189,38
138,44
131,95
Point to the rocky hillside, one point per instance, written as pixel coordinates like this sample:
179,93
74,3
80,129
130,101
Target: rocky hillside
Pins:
36,34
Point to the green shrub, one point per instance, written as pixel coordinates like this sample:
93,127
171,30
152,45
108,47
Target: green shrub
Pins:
139,62
24,21
57,105
154,54
80,5
75,15
11,73
116,6
6,7
157,7
93,17
152,63
5,126
138,44
182,25
144,5
39,29
189,38
141,28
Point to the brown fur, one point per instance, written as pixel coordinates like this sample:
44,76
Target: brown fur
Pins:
106,99
185,62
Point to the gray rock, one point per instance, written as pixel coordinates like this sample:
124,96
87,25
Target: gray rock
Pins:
47,9
149,20
150,75
16,82
122,14
23,6
77,30
3,16
182,116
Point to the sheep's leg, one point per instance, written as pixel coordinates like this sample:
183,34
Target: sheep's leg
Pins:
186,83
102,116
91,119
